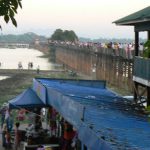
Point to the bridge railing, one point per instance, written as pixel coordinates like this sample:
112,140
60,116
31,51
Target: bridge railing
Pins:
142,68
126,54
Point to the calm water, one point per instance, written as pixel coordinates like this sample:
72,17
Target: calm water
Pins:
9,59
4,77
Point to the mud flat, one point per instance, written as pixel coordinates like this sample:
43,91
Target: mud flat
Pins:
19,80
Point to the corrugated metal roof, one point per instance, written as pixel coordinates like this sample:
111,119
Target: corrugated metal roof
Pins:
108,119
137,17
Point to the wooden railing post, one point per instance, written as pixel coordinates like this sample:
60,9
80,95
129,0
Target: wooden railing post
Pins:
136,43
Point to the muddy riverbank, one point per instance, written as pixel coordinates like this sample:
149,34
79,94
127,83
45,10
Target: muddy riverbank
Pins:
19,80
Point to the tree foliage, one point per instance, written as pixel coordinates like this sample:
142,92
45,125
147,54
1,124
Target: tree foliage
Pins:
29,38
66,35
146,52
8,9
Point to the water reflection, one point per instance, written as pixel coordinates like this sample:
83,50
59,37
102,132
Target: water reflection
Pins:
4,77
9,59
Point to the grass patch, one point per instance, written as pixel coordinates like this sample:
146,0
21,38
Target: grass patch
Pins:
21,80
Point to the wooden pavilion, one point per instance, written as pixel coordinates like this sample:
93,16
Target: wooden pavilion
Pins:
141,70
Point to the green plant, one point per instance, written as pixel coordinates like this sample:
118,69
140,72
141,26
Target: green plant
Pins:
66,35
146,51
8,9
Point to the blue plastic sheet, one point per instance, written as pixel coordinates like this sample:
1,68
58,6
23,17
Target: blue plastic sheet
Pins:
90,140
26,99
72,111
40,90
101,116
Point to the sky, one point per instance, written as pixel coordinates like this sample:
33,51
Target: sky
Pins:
87,18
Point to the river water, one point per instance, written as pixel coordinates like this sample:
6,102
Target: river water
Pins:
9,59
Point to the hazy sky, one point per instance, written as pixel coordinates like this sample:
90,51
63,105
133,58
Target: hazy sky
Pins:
88,18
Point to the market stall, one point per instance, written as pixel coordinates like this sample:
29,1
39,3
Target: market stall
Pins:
34,134
27,99
103,119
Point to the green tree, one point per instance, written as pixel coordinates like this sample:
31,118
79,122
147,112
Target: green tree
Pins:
70,35
58,35
146,52
66,35
8,9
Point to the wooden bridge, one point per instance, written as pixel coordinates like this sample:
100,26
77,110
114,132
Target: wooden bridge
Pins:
13,45
131,73
102,63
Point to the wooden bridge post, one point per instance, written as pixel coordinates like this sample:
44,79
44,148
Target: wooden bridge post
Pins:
148,96
148,35
136,43
135,90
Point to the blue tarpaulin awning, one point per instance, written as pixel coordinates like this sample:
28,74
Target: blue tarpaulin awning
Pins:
104,120
27,99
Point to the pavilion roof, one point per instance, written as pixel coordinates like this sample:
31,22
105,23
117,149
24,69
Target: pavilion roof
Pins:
142,16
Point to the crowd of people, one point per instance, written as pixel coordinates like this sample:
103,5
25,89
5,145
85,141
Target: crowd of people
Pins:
30,66
20,66
7,128
58,130
62,129
128,48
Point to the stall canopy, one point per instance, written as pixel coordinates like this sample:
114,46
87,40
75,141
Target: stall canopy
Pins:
27,99
104,120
